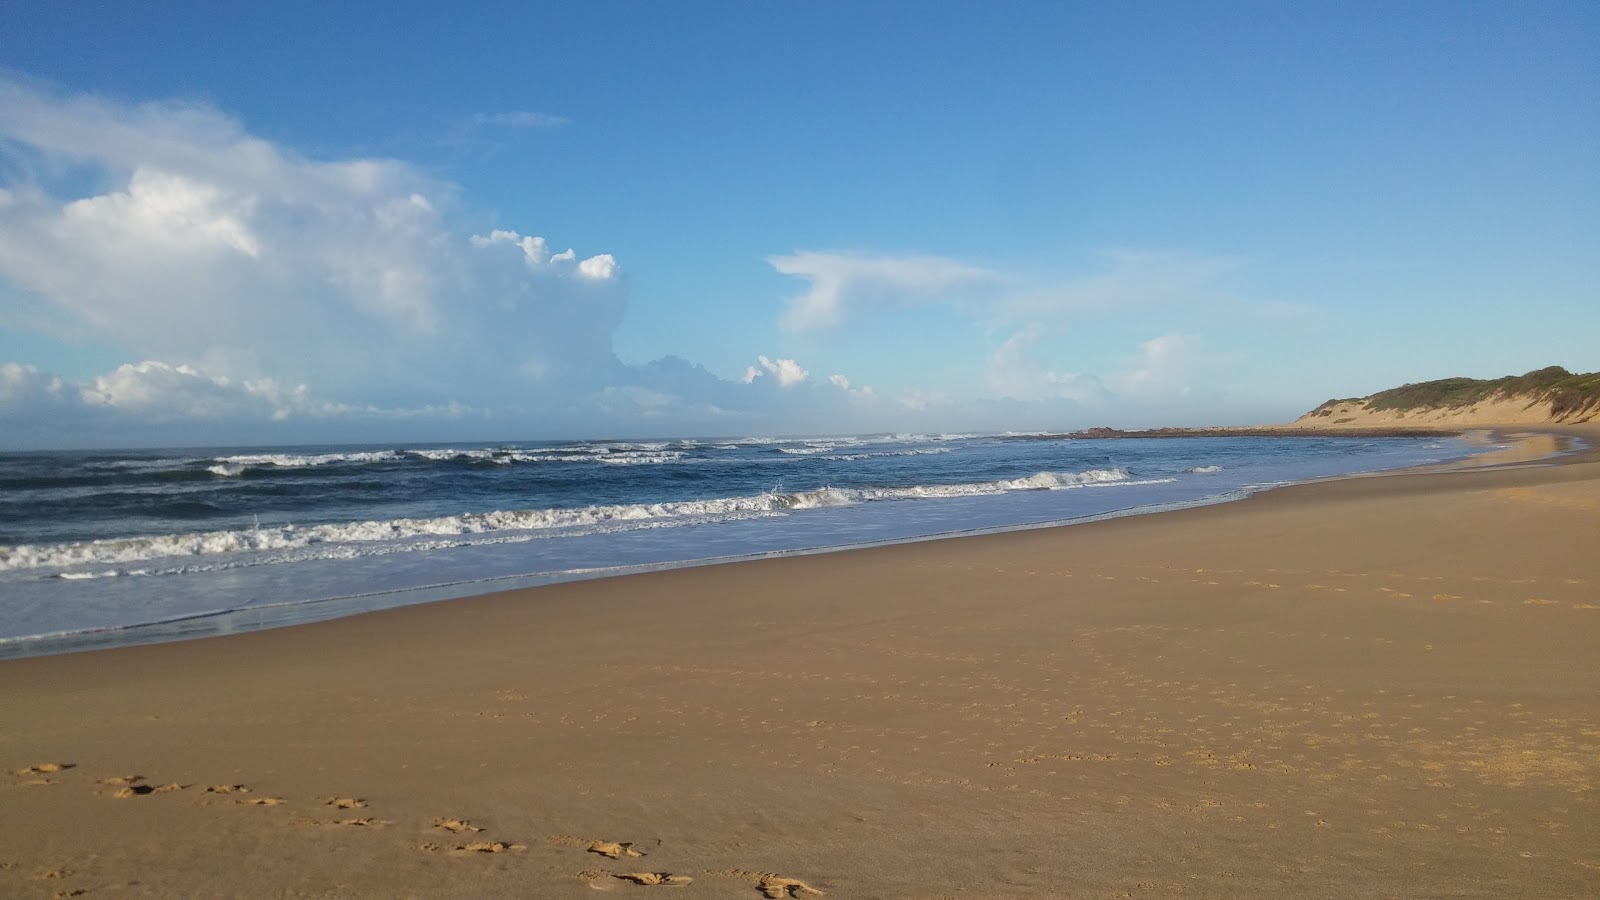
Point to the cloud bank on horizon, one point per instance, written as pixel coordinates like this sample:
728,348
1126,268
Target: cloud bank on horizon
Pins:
255,289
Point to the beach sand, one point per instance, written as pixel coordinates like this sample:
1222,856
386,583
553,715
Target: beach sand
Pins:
1376,687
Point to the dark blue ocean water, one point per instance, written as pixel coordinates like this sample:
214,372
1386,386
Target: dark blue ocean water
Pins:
111,547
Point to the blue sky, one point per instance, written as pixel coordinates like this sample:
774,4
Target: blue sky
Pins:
349,221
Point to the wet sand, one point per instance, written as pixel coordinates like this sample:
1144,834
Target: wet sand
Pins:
1376,687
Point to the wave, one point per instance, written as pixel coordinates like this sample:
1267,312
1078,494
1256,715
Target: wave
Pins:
338,539
808,450
300,461
881,454
609,452
1204,470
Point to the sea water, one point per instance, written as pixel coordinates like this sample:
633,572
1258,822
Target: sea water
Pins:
116,547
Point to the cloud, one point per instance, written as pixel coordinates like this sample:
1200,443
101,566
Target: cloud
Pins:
922,401
160,391
255,285
26,392
846,285
153,392
1161,370
1163,366
787,371
864,392
1012,371
170,229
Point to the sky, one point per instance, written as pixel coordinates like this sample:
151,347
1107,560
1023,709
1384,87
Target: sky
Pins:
359,222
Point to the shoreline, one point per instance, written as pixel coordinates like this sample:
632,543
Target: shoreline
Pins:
1353,687
286,613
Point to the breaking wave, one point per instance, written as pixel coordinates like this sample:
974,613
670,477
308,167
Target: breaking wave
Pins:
370,537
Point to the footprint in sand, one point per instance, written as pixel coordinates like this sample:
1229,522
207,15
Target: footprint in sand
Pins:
47,768
227,789
260,801
346,803
348,823
455,826
613,850
776,886
489,847
134,786
139,790
657,878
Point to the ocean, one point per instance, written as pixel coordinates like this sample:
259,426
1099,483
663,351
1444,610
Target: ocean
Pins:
104,548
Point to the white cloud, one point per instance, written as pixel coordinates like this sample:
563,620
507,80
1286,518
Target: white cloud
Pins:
154,393
24,390
207,242
535,252
1160,370
842,284
1013,371
164,213
863,392
536,255
787,371
161,391
599,267
260,286
1163,367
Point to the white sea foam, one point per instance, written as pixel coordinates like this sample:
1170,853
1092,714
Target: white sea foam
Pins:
639,457
1204,470
880,454
300,461
446,454
361,538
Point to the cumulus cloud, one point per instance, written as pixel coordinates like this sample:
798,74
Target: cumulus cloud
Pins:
26,391
787,371
161,391
197,240
153,393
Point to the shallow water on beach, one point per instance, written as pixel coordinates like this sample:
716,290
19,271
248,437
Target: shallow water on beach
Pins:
113,547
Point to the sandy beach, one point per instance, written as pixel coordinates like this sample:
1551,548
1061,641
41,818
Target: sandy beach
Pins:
1375,687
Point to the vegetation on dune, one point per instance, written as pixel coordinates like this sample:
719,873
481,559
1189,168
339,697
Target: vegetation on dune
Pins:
1567,394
